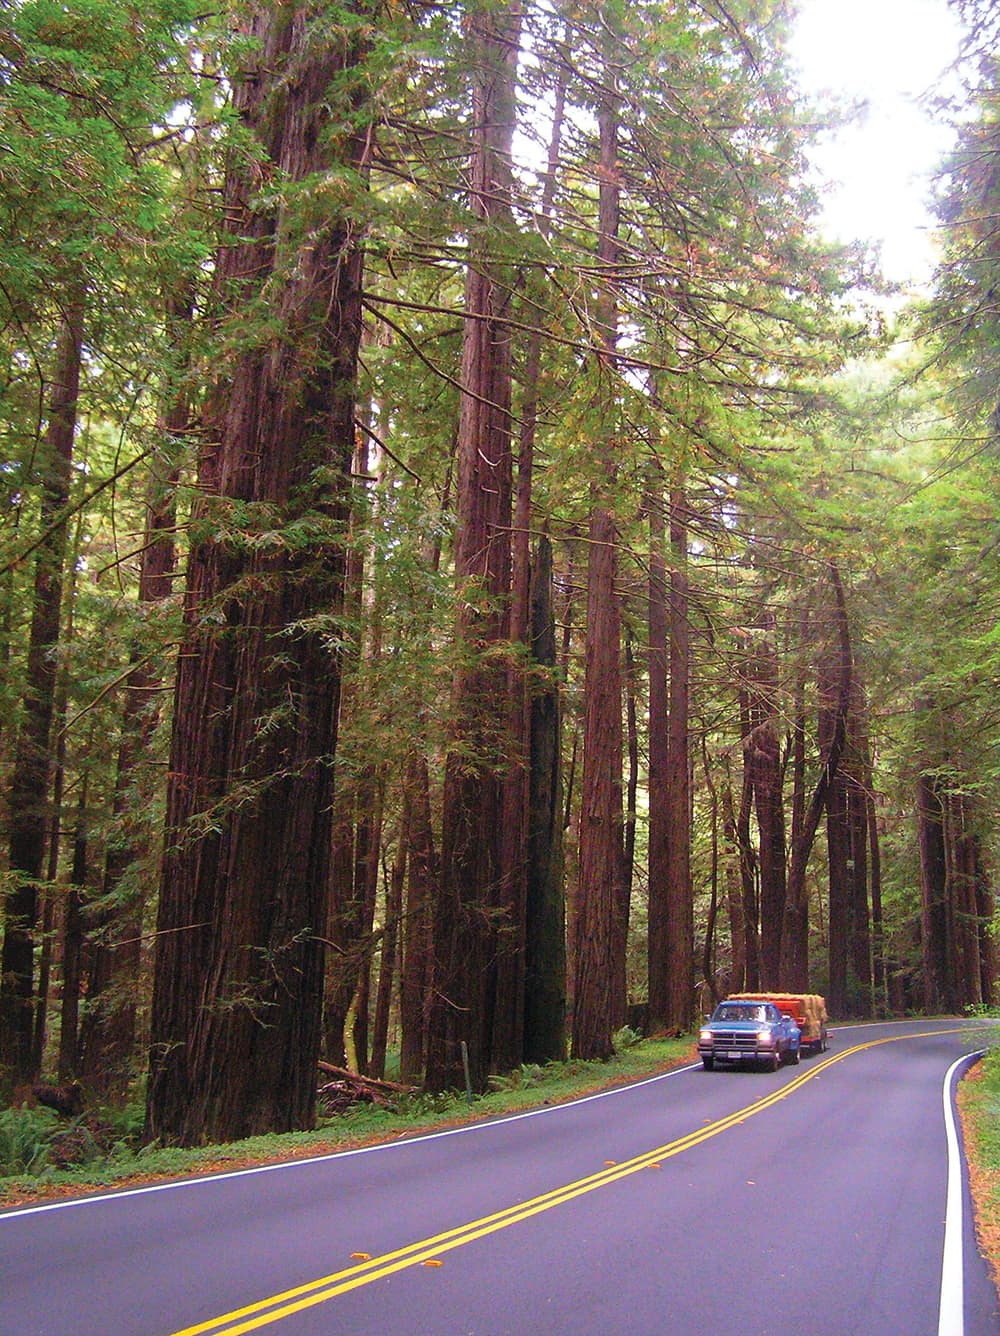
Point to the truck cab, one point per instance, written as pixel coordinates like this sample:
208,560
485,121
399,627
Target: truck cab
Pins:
746,1031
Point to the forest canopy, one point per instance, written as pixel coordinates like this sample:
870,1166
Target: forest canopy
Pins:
478,569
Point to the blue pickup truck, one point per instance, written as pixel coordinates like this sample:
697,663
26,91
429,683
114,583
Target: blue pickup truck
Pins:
740,1031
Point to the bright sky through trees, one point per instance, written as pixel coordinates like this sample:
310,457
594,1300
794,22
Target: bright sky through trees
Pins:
887,53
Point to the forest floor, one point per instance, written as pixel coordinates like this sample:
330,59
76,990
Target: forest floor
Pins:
44,1157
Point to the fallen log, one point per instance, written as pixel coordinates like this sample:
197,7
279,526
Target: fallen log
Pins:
373,1082
349,1088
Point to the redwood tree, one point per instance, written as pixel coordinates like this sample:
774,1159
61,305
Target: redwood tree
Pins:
32,762
237,998
472,916
601,919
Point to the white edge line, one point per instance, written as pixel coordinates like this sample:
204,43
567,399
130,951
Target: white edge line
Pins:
951,1313
17,1212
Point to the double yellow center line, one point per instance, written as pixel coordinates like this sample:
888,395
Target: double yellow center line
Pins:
278,1306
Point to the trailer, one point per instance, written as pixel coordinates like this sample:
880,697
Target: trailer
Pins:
808,1010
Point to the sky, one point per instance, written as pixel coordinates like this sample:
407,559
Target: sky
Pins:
887,52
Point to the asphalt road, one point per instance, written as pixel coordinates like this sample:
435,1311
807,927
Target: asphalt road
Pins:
811,1202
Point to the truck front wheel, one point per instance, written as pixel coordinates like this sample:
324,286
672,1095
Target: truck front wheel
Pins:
707,1062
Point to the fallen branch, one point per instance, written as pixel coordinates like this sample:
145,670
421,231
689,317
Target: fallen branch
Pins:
350,1088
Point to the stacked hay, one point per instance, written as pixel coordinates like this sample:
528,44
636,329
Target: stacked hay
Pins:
809,1009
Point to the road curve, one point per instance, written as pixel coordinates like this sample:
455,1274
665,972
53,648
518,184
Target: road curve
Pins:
811,1202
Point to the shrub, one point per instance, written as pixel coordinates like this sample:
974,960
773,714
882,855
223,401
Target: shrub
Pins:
26,1137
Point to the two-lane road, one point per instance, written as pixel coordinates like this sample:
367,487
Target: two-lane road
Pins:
811,1202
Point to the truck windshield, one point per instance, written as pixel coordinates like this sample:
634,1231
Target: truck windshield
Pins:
735,1013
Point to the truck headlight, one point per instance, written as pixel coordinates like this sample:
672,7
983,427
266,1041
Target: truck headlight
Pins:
704,1036
764,1038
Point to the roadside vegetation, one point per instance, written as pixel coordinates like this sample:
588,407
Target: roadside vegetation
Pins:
43,1155
979,1107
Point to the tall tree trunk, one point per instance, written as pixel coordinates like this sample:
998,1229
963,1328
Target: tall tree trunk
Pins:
933,921
708,971
722,812
601,918
351,907
421,892
961,890
632,782
32,763
847,840
477,915
680,900
73,946
545,941
108,1032
367,853
797,922
343,933
985,908
879,968
838,853
238,983
861,937
53,922
749,870
598,921
529,1018
794,964
387,964
763,750
658,920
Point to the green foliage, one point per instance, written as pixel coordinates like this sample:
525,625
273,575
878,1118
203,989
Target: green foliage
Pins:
625,1038
979,1102
32,1170
527,1075
25,1138
39,1143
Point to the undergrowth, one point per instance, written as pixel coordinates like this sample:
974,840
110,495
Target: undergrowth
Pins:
979,1101
33,1142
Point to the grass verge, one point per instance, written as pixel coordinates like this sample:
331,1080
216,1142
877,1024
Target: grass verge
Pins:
32,1167
979,1111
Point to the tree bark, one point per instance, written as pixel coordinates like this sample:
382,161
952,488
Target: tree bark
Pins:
477,916
238,983
763,751
795,965
32,763
680,901
658,920
545,941
109,1030
599,928
985,907
421,892
933,919
73,947
387,966
601,921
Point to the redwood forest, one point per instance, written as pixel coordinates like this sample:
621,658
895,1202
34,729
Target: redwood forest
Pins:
481,573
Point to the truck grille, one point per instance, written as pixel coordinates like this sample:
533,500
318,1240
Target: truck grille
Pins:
735,1039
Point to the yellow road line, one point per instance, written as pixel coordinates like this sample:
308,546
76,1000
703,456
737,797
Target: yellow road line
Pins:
278,1306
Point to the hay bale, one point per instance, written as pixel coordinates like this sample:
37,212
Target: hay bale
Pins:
809,1009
